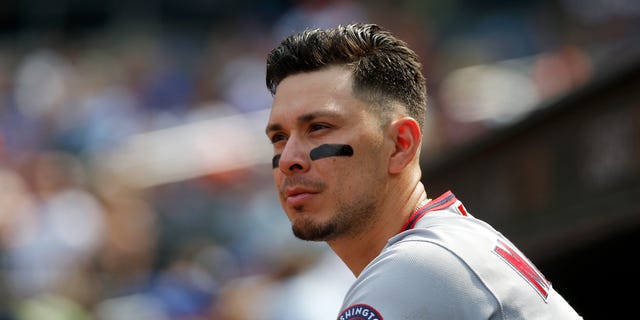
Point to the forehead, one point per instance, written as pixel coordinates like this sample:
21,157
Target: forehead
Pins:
327,90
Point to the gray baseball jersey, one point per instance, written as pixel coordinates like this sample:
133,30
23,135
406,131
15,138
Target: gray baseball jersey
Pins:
446,264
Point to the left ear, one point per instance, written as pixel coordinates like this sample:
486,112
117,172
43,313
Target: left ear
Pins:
407,138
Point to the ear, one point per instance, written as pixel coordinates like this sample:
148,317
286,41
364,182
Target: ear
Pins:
407,138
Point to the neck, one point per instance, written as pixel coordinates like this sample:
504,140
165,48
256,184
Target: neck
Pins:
358,251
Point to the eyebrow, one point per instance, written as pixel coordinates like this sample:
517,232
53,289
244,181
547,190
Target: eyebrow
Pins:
272,127
305,118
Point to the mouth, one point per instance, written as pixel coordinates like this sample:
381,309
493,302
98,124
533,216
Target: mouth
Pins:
298,196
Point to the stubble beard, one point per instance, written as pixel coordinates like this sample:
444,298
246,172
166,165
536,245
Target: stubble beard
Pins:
348,221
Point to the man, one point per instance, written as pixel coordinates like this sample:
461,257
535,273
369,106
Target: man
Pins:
346,128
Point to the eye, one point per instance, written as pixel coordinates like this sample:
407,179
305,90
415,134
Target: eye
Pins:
278,137
318,126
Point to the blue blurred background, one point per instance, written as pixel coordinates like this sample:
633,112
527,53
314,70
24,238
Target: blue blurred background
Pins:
135,178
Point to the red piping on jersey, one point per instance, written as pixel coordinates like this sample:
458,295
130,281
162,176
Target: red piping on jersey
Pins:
441,202
463,210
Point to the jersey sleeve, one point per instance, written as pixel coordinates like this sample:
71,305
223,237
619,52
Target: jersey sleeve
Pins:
416,279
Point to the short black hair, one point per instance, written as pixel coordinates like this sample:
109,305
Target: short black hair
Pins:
384,68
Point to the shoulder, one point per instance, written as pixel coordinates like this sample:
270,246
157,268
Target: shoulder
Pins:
455,270
420,279
420,265
427,258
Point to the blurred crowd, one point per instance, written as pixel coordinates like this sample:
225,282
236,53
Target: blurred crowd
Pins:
106,214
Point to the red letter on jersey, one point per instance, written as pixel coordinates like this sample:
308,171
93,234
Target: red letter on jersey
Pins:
524,267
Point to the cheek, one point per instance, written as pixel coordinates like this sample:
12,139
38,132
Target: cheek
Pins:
278,179
367,167
342,173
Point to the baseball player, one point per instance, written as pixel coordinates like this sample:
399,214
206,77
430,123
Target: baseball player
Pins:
346,128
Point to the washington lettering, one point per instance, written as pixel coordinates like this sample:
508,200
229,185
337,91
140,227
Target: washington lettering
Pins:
360,312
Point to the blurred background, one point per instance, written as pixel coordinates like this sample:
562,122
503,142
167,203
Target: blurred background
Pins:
135,178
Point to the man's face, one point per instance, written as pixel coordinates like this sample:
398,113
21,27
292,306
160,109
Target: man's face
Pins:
329,155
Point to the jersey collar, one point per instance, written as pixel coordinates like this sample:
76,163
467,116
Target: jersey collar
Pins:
439,203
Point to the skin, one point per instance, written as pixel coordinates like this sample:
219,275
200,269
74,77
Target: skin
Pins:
354,203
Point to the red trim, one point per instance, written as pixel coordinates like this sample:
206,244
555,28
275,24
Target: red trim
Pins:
439,203
463,210
526,269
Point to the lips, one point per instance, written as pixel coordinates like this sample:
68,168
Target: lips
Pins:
297,196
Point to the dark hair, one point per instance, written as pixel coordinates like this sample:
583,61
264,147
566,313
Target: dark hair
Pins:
385,69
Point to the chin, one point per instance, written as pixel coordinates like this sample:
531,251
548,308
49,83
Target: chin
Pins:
306,229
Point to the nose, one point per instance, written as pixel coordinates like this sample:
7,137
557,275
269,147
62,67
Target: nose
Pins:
293,157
